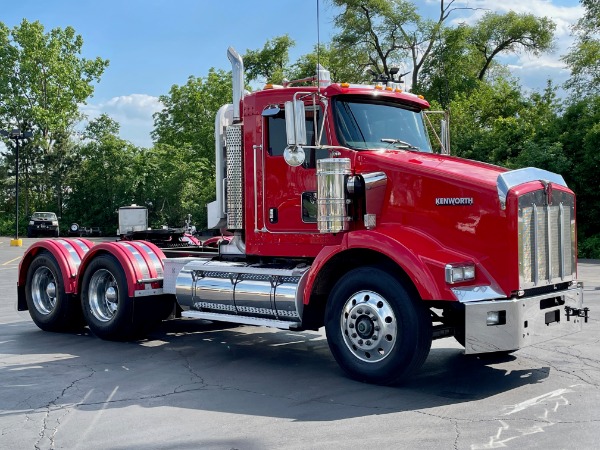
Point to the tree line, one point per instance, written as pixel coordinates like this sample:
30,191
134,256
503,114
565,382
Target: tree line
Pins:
86,176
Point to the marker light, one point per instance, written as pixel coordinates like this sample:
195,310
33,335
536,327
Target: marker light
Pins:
455,273
379,87
345,85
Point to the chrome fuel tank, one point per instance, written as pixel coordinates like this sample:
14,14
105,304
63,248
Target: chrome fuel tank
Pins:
241,289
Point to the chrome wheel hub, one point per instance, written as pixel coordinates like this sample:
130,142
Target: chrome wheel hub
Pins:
103,295
369,326
43,290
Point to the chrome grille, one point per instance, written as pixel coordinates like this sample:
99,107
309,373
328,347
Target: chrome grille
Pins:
546,239
235,199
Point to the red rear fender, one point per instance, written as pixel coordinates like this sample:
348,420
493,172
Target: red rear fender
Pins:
141,261
68,254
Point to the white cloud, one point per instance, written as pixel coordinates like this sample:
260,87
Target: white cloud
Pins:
133,112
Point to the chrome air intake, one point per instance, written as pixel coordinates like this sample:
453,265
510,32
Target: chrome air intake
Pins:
235,185
239,289
547,253
331,194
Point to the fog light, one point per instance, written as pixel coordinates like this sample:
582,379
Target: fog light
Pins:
496,318
455,273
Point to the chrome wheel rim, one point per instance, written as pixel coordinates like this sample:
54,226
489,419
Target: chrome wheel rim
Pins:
103,294
369,326
43,290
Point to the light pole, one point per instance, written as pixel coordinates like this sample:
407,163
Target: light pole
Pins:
16,136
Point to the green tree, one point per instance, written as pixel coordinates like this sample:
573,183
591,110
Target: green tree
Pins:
105,179
383,33
467,54
271,62
452,68
43,80
580,136
584,57
184,150
511,33
343,66
496,123
188,117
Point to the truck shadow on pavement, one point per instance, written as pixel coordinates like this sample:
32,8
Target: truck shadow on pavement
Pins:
241,370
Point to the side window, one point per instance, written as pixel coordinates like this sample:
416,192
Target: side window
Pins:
276,134
277,140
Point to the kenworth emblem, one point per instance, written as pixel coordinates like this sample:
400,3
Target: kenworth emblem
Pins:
453,201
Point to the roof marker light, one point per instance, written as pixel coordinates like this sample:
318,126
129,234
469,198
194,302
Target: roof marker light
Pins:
345,85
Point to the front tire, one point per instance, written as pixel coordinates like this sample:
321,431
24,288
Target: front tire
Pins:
49,306
377,330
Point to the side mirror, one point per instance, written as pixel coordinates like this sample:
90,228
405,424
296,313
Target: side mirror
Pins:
295,129
295,123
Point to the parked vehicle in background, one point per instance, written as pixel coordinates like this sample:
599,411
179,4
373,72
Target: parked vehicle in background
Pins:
43,223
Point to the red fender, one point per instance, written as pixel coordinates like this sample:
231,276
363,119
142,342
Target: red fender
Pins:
421,258
141,261
68,254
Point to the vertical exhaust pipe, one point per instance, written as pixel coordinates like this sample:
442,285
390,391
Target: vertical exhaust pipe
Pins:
237,67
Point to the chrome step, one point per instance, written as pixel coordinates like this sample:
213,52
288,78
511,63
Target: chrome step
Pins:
246,320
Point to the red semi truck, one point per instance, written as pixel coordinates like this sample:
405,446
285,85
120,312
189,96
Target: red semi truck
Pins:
343,217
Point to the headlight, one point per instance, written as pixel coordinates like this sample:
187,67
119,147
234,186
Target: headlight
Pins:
455,273
31,222
55,223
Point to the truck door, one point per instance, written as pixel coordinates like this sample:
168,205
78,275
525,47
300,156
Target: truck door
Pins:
290,193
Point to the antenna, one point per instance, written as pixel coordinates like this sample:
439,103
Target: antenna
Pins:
318,50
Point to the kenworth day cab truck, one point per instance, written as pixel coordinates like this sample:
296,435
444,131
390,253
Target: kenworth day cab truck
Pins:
342,217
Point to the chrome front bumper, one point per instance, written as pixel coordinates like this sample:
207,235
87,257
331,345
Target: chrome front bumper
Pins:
527,321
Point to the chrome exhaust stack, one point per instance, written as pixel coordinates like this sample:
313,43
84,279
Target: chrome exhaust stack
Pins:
237,68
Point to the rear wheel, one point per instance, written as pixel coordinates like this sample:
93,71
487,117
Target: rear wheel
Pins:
49,306
107,308
377,330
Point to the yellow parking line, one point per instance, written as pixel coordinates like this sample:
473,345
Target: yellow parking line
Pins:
12,260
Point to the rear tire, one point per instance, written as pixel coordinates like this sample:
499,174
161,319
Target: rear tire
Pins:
107,308
377,331
49,306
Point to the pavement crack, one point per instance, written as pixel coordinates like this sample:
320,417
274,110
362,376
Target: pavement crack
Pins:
48,431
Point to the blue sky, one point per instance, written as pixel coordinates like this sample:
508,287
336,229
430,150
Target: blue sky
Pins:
153,44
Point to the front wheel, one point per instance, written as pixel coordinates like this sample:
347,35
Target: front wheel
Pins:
49,306
377,331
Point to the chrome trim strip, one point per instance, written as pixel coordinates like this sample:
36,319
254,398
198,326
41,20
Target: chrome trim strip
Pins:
507,180
256,321
148,292
469,294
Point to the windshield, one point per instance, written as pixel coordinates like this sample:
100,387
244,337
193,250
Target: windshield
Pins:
44,216
378,124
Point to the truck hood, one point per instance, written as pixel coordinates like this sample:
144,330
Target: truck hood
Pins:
434,165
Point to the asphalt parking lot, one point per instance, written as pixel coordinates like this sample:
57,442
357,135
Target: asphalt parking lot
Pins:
193,384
